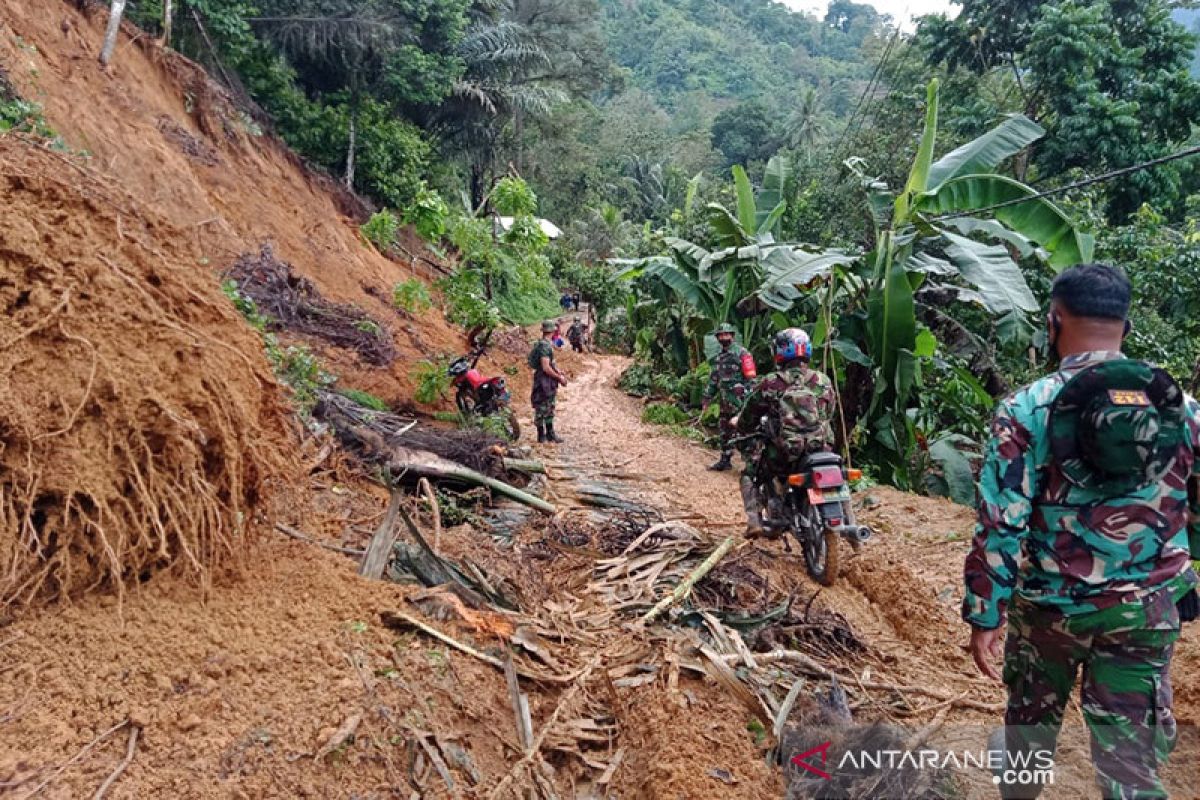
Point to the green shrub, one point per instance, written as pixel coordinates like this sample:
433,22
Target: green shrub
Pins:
664,414
427,213
22,115
381,229
411,296
300,369
432,382
245,306
365,399
512,197
465,303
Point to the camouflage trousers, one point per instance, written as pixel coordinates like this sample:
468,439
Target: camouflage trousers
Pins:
1124,654
725,426
543,398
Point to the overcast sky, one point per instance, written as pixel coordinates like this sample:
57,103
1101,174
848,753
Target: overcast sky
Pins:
903,10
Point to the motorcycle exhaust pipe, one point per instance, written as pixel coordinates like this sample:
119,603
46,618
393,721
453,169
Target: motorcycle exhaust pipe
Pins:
857,533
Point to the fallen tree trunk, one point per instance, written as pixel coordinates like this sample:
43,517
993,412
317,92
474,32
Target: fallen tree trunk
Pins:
428,465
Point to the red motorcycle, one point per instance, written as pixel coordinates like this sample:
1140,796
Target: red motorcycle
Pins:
479,396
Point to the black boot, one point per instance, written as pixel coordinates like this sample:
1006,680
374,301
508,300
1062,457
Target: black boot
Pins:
551,436
723,464
541,429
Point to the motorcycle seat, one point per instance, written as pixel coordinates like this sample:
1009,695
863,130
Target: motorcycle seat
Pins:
820,460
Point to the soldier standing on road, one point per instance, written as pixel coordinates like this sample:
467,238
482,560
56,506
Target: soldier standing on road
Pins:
1083,543
798,403
732,370
576,333
546,380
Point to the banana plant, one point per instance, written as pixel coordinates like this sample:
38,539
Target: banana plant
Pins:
715,283
932,234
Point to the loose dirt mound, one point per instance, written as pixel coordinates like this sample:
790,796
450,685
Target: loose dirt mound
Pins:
135,432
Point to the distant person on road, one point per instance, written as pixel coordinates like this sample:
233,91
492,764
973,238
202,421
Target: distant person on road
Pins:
575,300
577,334
731,372
798,403
546,380
1088,512
565,301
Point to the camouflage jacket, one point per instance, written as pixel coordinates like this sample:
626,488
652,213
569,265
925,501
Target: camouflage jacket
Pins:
575,332
725,380
542,347
799,403
1063,546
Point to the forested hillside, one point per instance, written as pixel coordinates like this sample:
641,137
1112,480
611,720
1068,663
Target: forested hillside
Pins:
621,120
273,520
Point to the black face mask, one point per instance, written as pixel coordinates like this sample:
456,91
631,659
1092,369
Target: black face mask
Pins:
1054,326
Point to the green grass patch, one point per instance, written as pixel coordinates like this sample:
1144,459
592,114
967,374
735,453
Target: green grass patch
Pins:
664,414
365,399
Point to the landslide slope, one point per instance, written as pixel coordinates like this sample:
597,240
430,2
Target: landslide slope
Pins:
156,124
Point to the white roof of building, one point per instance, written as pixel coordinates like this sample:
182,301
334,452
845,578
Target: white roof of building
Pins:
548,227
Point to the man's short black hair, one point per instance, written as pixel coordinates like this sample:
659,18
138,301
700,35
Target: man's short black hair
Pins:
1098,291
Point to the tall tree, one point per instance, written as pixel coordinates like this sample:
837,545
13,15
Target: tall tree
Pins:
1107,79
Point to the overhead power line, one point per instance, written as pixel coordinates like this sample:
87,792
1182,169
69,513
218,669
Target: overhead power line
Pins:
1107,176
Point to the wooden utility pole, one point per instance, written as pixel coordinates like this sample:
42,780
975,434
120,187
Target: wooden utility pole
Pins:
114,29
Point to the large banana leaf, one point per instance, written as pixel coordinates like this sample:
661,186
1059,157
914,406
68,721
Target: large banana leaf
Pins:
891,320
788,267
769,204
989,269
729,230
987,152
747,210
1037,219
918,176
691,252
712,267
931,265
631,269
995,230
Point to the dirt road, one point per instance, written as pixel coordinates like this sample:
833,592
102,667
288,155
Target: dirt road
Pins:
901,593
237,693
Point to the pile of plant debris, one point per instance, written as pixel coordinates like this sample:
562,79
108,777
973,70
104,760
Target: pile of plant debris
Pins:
291,302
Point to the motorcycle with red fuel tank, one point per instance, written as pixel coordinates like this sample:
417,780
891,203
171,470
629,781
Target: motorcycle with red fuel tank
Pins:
477,395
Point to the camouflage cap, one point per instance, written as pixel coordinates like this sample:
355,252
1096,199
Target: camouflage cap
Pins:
725,327
549,326
1116,427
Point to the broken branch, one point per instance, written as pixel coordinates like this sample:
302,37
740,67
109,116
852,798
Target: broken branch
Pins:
130,749
686,585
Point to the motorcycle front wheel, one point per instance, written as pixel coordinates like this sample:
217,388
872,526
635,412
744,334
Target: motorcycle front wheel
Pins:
465,400
819,543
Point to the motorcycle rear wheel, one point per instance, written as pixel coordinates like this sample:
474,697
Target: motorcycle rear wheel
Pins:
820,546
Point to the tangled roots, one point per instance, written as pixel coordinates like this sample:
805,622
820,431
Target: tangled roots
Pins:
139,423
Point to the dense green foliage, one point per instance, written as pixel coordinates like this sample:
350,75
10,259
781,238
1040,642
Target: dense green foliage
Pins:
860,205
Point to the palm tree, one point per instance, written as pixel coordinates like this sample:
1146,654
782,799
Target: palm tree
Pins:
601,234
805,127
501,80
345,42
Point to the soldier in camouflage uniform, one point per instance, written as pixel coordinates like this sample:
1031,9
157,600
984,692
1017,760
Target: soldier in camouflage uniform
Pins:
727,384
1083,542
576,333
546,380
798,403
